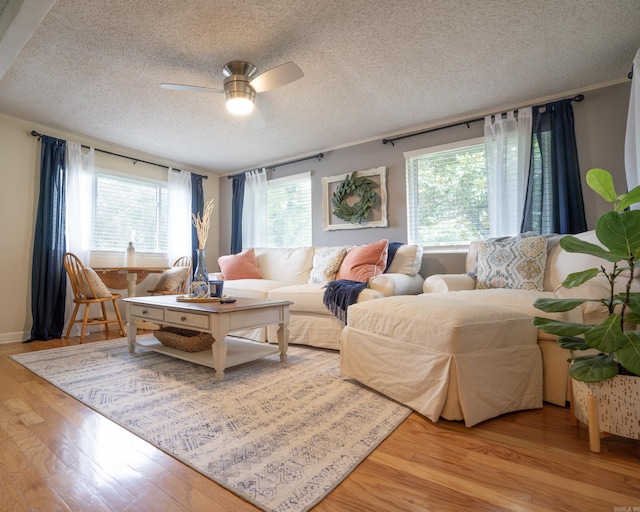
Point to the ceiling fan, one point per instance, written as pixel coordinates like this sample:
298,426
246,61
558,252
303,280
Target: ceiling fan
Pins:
242,82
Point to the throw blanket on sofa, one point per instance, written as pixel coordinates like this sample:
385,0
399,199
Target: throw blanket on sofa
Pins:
340,294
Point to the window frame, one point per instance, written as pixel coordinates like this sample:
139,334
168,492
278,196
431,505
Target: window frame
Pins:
303,176
412,193
104,171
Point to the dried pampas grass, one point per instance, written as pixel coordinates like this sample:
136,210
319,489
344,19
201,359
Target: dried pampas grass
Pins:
201,223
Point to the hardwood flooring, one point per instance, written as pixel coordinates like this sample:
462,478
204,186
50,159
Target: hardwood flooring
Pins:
59,455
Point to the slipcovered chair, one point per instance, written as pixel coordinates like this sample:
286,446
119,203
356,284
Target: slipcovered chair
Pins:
89,289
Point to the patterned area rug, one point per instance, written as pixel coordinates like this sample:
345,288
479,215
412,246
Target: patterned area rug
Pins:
280,435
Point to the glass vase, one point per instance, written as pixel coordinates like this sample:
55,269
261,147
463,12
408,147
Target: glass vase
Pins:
200,286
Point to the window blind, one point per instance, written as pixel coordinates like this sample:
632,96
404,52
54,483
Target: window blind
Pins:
289,211
129,210
447,201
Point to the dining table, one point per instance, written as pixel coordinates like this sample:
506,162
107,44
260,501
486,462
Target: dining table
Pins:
126,278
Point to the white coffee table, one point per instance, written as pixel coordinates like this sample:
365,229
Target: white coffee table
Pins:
217,319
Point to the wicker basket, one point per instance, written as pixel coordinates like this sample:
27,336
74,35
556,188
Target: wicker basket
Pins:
184,339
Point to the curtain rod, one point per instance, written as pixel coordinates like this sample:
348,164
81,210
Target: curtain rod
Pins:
319,156
135,160
391,141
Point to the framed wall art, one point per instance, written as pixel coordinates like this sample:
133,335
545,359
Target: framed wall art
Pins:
355,200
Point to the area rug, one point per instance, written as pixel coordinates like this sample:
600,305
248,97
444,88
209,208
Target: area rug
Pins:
279,435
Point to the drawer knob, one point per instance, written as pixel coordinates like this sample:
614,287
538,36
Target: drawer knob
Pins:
145,312
183,318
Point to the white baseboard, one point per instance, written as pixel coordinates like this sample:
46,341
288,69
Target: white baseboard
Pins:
14,337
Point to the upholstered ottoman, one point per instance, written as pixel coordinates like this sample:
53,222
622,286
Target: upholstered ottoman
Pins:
444,358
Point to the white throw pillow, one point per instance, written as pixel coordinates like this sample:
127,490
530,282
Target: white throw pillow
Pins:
515,264
326,262
407,260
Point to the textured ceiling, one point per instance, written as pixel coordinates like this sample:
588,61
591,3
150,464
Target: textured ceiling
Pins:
372,68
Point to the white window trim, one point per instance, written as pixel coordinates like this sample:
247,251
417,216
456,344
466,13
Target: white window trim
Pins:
293,177
103,257
443,147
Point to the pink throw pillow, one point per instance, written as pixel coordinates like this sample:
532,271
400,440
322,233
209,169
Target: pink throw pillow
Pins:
240,266
364,262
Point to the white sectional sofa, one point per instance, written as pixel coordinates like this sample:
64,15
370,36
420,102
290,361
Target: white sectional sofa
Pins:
289,274
559,264
467,348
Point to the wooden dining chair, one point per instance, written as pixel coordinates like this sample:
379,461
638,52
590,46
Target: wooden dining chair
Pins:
89,289
174,280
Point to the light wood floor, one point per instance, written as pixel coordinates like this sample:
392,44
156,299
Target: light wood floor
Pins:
57,454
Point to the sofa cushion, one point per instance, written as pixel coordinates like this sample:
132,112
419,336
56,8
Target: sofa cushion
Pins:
518,264
326,262
407,260
251,288
240,266
308,297
305,297
291,266
522,300
363,262
443,324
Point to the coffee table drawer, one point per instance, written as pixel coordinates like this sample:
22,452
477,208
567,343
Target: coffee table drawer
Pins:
147,312
193,320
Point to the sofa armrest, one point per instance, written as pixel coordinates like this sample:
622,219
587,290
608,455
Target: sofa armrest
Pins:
441,283
397,284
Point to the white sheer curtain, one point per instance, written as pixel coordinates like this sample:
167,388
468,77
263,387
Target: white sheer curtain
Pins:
508,149
254,210
179,213
632,139
79,207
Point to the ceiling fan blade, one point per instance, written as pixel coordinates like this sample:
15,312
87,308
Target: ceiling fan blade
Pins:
195,88
276,77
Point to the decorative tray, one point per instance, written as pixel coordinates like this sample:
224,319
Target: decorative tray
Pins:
188,298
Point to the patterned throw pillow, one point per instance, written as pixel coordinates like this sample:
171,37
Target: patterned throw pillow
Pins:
515,264
326,262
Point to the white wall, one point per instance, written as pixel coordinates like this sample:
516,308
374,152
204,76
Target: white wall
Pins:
19,178
600,126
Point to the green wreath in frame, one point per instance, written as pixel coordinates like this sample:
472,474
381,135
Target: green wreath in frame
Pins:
353,185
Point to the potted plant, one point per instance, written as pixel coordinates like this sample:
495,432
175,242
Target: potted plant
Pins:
613,358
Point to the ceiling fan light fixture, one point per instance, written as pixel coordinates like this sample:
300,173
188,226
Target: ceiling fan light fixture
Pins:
239,103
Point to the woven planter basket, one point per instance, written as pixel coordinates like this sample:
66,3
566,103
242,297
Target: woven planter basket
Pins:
184,339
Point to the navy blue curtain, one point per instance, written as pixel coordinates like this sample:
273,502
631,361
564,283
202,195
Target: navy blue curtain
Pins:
48,278
197,205
554,202
237,201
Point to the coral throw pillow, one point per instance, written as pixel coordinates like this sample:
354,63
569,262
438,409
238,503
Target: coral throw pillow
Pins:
240,266
364,262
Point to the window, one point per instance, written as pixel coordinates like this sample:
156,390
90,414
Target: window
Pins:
129,209
447,201
289,211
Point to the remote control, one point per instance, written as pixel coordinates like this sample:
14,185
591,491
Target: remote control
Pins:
227,300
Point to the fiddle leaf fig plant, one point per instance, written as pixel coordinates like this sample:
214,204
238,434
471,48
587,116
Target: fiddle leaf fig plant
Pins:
616,344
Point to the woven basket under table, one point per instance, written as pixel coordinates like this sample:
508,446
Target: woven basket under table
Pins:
184,339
